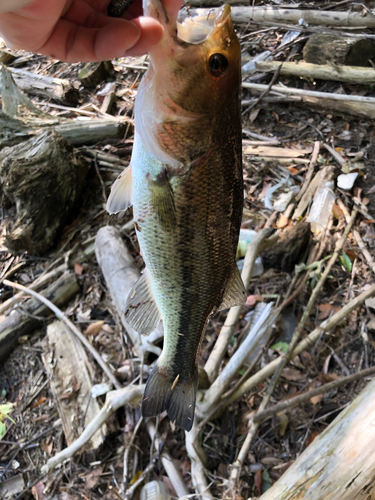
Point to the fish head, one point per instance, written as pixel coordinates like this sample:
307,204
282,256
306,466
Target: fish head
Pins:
193,80
200,60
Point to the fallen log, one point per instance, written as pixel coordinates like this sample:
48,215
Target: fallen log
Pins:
289,15
47,87
348,74
43,177
354,105
322,48
71,374
26,319
340,462
120,274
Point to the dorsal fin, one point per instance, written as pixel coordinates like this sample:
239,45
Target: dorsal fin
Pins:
141,311
235,293
121,197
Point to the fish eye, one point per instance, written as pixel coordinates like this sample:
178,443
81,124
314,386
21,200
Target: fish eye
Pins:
218,64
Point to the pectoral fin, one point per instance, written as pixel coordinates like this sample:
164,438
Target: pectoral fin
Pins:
235,294
121,193
163,201
141,311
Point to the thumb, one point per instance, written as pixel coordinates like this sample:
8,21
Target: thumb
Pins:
12,5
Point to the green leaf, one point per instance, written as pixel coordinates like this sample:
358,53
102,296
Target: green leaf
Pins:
5,409
280,346
347,262
266,481
2,429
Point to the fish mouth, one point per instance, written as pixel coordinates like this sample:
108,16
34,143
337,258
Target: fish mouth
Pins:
197,29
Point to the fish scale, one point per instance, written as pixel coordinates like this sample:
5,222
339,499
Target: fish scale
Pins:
187,196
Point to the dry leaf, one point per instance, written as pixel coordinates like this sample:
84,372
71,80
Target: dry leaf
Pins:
326,364
326,310
92,478
283,423
293,170
311,437
282,221
78,269
336,211
47,447
39,402
94,329
107,329
38,491
292,374
258,480
316,399
253,115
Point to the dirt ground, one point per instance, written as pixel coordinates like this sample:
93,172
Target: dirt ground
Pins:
35,432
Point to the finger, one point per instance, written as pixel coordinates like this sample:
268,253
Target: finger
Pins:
12,5
172,7
73,43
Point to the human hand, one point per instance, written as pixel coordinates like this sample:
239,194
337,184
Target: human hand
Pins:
79,30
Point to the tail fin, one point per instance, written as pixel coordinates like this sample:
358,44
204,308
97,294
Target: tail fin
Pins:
176,395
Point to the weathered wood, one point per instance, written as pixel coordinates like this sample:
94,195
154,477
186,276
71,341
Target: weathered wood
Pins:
20,323
349,74
339,463
120,274
46,86
94,73
276,15
289,249
354,105
44,178
76,132
6,56
71,375
322,48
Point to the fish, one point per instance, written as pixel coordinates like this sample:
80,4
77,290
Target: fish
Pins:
186,187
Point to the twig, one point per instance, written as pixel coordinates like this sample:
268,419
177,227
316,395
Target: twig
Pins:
284,359
114,400
221,383
168,463
127,451
358,238
130,492
256,245
197,459
310,171
61,316
100,177
265,92
302,398
310,93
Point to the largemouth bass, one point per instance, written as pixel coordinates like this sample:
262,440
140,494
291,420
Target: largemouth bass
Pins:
185,184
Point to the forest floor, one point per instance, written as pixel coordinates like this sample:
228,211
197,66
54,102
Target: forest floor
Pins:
35,432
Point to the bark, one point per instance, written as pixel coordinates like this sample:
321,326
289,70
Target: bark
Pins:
347,74
322,48
340,462
25,320
71,375
120,273
94,73
43,177
276,15
46,86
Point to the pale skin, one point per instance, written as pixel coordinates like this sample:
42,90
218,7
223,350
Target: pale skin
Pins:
79,30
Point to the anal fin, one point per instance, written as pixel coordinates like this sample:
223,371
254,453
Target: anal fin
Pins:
141,311
121,196
177,396
235,293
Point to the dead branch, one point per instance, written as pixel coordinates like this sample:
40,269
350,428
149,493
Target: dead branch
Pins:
61,316
114,400
197,459
261,416
212,365
276,15
340,462
349,74
18,324
306,343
